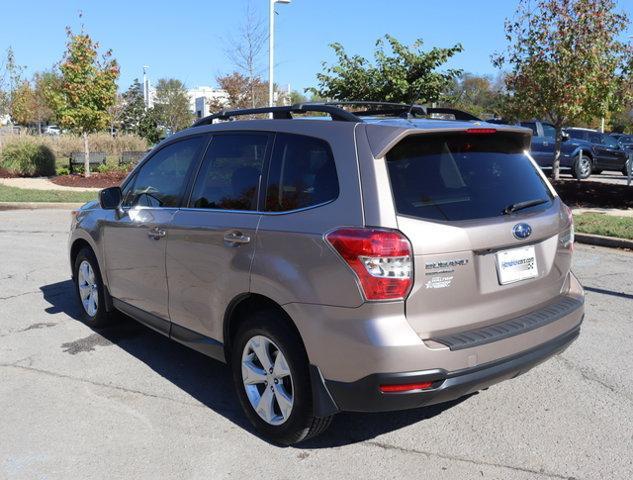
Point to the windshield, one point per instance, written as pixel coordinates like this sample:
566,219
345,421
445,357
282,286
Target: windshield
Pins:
463,177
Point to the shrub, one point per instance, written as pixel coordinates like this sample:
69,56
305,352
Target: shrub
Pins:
26,157
63,145
62,171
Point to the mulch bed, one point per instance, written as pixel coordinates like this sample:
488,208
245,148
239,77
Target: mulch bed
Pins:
95,180
5,174
588,194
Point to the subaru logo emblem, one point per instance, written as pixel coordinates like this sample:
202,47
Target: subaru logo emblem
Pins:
522,231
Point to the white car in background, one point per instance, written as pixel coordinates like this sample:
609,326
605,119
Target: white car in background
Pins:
51,130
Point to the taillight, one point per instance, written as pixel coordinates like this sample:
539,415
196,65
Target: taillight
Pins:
567,237
481,131
382,260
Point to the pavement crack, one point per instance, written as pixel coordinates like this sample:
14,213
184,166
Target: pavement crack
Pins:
591,377
19,295
111,386
387,446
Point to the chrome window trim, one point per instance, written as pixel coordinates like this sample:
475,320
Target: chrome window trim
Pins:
258,212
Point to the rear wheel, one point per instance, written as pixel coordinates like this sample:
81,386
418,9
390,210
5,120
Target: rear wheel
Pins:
90,290
272,379
582,168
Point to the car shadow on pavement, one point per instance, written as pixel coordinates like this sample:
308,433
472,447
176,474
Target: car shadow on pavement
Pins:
209,381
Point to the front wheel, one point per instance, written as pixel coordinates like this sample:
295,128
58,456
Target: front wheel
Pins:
90,290
272,379
625,169
582,168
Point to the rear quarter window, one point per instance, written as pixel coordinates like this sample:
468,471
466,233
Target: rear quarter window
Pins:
462,177
302,173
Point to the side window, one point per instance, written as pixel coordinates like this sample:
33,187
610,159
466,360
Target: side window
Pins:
579,134
229,176
302,173
609,141
595,138
161,181
548,131
531,125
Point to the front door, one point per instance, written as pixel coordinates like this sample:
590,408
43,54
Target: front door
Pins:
211,242
135,238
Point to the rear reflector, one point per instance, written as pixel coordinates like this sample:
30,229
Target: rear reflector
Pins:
481,131
381,259
407,387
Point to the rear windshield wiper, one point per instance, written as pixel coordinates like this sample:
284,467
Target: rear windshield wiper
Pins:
515,207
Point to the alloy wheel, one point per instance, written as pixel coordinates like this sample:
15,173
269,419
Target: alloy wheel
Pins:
88,290
267,380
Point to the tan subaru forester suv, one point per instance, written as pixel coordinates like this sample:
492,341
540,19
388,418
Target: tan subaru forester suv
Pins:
359,260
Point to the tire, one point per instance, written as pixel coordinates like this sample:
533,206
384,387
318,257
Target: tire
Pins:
90,290
264,332
582,168
625,170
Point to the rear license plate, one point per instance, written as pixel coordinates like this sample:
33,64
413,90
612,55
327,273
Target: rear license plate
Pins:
516,265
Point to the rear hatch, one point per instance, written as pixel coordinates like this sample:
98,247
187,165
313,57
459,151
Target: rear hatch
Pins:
489,235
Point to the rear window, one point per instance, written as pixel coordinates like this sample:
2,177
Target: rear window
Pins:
463,177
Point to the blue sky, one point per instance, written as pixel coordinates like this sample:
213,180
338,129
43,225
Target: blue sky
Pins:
185,39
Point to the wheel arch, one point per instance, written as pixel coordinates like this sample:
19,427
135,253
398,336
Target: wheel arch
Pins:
77,244
237,311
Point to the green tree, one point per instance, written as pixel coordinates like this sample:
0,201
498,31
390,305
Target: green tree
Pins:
133,109
171,105
566,62
87,89
10,82
407,75
479,95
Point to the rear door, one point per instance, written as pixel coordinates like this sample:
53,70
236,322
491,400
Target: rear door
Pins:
135,240
211,242
476,263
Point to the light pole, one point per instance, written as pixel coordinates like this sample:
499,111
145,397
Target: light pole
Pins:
145,87
271,48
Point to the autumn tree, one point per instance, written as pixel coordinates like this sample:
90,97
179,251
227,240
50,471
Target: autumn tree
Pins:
171,105
566,61
41,108
87,89
242,92
403,74
22,101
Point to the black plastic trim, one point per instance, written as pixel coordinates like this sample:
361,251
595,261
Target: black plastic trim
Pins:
364,395
152,321
562,307
203,344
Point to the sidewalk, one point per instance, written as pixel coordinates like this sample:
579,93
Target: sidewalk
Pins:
41,183
615,212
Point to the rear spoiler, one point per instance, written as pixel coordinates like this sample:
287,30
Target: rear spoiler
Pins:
383,138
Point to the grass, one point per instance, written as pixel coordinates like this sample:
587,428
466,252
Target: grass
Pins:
13,194
608,225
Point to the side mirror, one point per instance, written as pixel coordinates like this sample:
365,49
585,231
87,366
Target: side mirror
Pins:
110,198
564,136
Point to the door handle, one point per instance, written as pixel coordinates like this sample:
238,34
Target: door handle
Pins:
236,238
156,233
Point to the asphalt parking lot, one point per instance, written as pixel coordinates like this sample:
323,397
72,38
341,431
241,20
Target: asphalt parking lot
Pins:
127,403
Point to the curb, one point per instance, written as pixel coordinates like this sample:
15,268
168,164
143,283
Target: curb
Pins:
39,205
602,241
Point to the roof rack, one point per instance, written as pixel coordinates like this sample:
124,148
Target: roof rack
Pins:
282,113
335,110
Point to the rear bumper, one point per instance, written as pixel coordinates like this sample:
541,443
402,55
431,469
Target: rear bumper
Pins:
364,395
